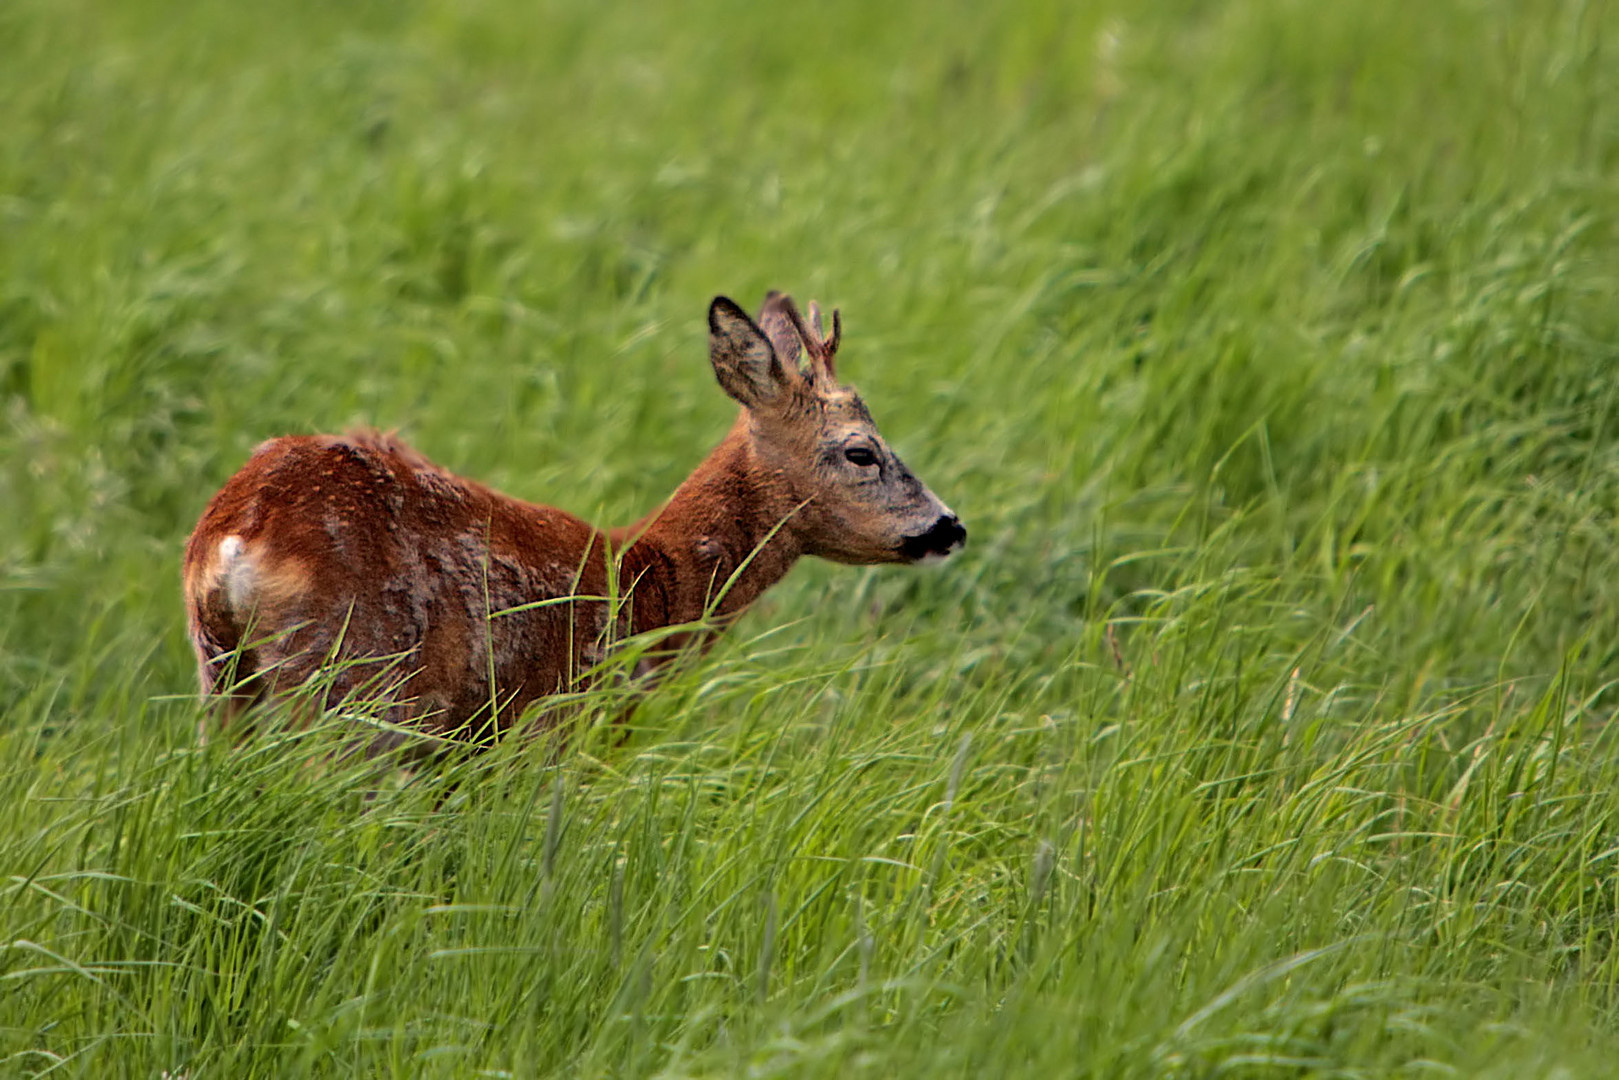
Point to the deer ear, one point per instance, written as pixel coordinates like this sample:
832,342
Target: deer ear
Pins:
744,361
776,320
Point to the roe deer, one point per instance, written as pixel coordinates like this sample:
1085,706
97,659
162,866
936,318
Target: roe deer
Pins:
357,557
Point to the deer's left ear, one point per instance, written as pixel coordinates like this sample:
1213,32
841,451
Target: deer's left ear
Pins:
744,361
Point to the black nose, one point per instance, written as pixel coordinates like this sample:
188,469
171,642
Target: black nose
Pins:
945,536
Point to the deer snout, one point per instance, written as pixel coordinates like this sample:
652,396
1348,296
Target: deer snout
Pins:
941,540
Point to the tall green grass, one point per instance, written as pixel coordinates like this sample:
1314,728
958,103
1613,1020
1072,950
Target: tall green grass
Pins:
1268,350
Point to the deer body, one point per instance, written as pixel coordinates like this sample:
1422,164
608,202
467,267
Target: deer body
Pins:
457,607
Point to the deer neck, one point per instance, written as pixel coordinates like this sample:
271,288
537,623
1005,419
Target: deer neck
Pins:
725,535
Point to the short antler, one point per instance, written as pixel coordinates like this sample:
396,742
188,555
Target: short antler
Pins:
827,346
822,351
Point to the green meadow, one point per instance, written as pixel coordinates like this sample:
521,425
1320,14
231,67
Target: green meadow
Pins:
1269,351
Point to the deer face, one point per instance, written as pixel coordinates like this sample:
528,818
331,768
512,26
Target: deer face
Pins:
855,501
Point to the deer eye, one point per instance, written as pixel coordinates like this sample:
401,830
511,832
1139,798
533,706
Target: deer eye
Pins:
860,455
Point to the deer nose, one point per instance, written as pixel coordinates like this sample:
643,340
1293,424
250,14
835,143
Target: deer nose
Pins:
944,537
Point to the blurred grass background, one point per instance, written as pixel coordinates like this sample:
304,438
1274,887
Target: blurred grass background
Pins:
1267,349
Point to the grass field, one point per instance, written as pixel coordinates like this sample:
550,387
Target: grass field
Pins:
1267,349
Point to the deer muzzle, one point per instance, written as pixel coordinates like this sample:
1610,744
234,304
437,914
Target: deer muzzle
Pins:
945,536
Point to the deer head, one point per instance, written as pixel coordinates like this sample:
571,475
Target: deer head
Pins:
855,501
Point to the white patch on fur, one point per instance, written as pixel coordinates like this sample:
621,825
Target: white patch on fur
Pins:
236,571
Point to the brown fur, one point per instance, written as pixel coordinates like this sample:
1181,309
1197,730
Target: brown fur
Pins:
358,559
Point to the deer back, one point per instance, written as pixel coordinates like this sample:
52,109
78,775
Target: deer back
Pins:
357,555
